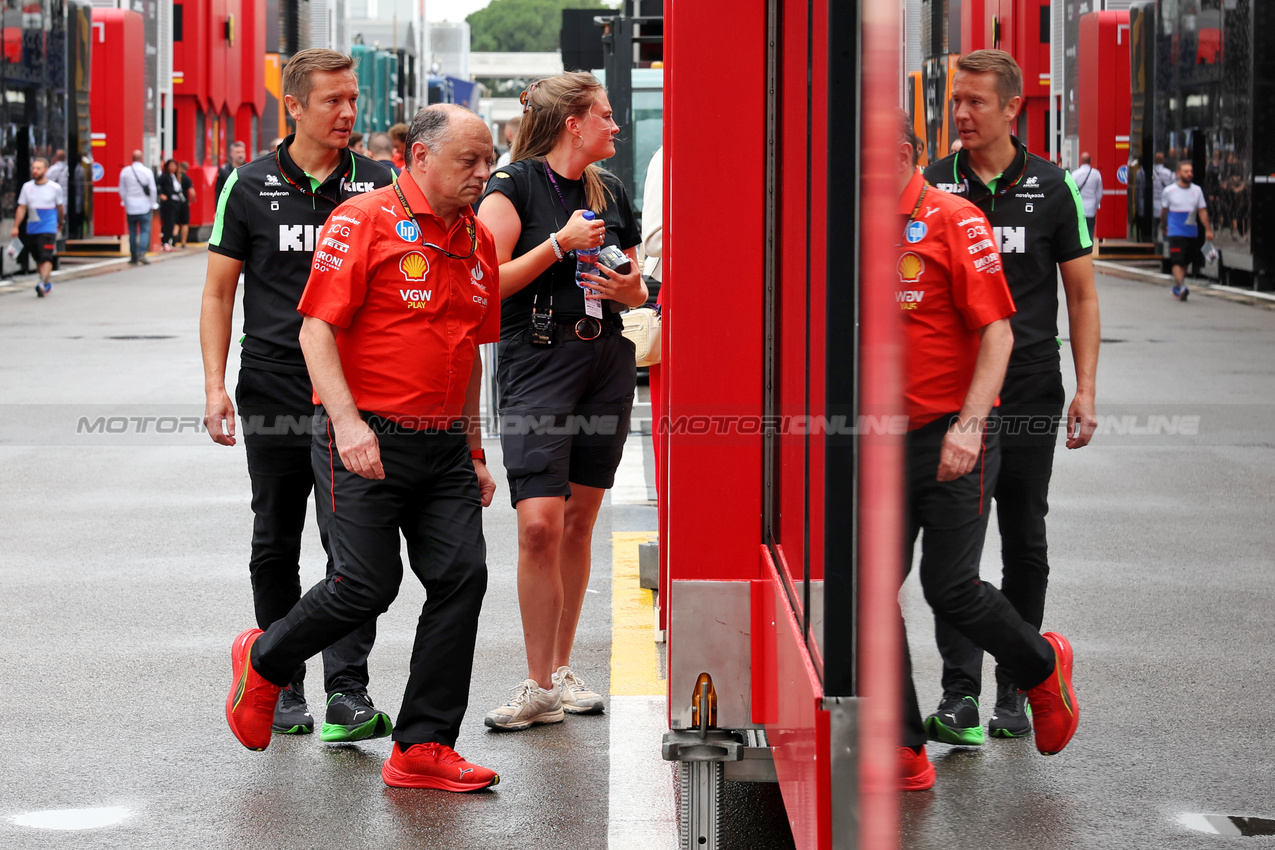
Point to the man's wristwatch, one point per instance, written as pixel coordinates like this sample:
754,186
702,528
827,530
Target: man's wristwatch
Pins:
478,454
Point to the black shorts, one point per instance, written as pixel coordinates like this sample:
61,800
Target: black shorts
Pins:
564,412
1181,251
183,214
43,247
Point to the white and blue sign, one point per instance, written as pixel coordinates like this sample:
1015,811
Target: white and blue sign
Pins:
408,231
916,231
1122,174
98,171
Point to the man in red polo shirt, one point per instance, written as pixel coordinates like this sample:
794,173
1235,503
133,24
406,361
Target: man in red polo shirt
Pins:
955,306
402,292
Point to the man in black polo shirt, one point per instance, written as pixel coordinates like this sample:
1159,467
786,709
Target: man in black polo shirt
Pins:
1039,226
269,219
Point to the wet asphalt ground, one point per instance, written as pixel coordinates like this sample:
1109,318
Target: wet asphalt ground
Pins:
123,561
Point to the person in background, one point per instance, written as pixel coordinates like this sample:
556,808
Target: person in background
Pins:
381,149
653,247
1183,206
1161,179
356,143
511,136
238,155
188,198
140,198
562,356
1089,181
398,137
170,200
59,173
42,206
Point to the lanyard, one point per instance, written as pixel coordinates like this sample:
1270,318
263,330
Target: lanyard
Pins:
469,226
916,210
294,184
554,181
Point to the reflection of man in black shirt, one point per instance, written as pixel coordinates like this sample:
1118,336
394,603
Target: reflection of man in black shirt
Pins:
1040,229
269,218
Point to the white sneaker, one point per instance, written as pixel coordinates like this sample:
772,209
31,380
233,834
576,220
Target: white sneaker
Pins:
527,706
576,696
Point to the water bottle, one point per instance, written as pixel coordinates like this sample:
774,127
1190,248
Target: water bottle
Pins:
586,258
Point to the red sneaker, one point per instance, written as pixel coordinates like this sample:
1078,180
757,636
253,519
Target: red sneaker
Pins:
250,704
1055,712
917,774
435,766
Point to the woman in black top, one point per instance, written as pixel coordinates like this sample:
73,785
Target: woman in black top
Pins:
566,375
188,198
170,199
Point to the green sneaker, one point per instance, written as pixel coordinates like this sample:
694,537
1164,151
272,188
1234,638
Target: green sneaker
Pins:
955,722
352,717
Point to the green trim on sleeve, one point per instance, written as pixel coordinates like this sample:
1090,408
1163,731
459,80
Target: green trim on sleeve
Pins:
1082,226
215,238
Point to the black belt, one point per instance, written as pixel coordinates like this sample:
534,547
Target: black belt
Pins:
585,328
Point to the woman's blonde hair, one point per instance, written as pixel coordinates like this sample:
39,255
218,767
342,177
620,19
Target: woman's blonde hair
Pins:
547,104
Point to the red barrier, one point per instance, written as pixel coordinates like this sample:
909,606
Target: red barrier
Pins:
1105,104
118,112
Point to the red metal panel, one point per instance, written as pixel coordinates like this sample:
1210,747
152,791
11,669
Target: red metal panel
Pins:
974,29
1031,46
229,40
1105,103
713,333
798,731
251,42
214,13
190,54
119,49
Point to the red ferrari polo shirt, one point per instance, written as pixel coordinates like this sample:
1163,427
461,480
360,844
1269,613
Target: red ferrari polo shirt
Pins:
950,284
410,318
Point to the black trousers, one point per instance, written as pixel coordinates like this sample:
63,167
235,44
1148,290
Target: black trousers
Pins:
275,411
168,219
1030,410
951,517
430,495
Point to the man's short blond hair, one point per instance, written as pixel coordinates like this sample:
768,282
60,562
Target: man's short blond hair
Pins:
297,73
1009,77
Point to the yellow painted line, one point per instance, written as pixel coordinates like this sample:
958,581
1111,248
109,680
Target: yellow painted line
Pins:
635,665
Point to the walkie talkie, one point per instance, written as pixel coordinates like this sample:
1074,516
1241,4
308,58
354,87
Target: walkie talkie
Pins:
541,323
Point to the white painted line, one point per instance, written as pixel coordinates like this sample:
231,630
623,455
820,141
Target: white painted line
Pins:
89,266
72,818
643,809
1265,296
630,477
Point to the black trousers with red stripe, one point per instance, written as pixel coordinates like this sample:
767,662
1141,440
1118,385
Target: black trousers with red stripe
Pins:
430,495
951,519
276,412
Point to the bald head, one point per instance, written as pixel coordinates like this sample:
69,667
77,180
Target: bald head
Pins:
137,156
1084,159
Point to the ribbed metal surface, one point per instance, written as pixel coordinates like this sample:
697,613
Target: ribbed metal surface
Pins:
914,54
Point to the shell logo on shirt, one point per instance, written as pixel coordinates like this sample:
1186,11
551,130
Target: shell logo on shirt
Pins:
910,268
414,266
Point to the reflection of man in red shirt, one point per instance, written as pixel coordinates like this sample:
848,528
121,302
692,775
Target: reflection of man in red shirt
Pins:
955,306
402,292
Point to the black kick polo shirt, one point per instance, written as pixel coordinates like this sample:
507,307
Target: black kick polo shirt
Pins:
527,185
267,221
1038,222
